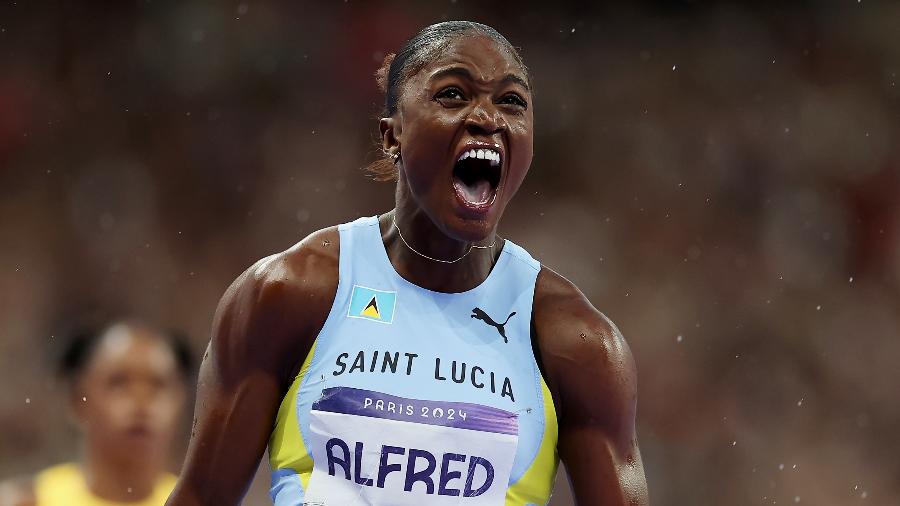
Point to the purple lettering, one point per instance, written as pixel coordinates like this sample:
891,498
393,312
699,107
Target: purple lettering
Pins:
383,467
358,478
424,476
447,475
332,459
488,480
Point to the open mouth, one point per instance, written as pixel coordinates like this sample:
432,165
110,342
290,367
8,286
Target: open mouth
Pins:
476,176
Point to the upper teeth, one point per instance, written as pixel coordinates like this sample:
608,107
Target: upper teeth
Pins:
484,154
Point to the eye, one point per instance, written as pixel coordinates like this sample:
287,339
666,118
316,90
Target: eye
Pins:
514,100
450,95
117,381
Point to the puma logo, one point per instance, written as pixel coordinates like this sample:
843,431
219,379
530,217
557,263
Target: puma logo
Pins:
479,314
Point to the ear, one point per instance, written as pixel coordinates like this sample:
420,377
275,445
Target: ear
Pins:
390,135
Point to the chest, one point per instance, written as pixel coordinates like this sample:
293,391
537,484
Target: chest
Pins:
472,349
435,396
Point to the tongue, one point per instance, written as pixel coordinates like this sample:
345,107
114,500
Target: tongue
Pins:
476,193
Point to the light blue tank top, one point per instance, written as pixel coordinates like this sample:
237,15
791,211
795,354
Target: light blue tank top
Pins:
415,397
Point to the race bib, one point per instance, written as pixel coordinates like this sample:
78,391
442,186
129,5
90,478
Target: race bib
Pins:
378,449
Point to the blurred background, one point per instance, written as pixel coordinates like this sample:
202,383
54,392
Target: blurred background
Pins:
720,178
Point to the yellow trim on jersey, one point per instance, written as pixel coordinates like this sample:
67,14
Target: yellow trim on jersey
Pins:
64,485
286,447
536,483
288,451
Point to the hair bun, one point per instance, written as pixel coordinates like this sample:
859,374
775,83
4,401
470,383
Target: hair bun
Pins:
381,75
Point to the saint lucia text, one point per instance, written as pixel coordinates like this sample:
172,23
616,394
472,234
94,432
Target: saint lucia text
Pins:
457,371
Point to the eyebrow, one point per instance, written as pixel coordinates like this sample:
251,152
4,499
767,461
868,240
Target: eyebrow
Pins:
464,73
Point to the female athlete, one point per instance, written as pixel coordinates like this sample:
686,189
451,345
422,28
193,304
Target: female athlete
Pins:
127,386
416,357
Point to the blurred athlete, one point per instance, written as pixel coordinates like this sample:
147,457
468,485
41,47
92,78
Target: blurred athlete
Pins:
126,392
416,358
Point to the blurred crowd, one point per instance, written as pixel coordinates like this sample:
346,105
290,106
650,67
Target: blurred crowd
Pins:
720,178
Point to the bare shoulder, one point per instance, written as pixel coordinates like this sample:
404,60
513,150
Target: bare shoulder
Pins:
282,300
17,491
567,322
308,267
590,367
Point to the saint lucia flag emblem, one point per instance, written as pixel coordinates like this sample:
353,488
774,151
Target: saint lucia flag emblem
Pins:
372,304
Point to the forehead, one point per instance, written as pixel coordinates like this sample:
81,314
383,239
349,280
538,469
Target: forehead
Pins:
486,58
128,347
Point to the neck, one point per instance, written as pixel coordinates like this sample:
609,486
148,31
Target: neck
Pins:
424,238
118,480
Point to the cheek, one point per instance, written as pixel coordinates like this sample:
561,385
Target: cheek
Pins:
105,414
428,134
421,183
425,161
522,153
167,409
521,129
514,181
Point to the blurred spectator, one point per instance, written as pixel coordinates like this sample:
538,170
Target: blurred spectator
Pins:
126,392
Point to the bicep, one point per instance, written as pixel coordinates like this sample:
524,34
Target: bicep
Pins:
239,389
232,421
598,442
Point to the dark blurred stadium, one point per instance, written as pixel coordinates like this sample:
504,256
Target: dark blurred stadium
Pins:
720,178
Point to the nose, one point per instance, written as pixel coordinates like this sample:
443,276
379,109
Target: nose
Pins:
485,119
144,393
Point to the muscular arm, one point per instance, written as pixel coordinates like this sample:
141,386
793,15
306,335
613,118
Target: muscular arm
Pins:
262,330
592,376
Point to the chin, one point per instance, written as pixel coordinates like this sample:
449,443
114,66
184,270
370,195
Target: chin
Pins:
470,228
